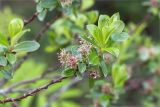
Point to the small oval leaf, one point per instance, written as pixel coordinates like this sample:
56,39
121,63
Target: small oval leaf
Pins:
3,61
26,46
68,72
112,50
93,58
104,68
7,74
11,58
120,37
81,67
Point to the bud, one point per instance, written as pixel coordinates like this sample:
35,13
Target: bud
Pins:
94,74
106,88
158,72
97,103
154,3
108,58
148,86
15,26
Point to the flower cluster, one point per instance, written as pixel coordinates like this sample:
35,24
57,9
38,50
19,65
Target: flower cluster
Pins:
66,59
84,48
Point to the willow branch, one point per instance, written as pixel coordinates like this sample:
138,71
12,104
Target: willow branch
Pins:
31,93
53,97
34,16
41,77
14,104
46,27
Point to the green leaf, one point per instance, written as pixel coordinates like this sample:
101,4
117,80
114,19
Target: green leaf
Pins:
95,32
3,61
103,21
104,68
42,15
3,40
93,58
118,26
105,100
3,49
92,16
48,3
81,19
119,75
112,50
114,17
68,72
106,32
11,58
15,39
79,75
86,4
15,26
120,37
26,46
7,74
91,82
39,8
81,67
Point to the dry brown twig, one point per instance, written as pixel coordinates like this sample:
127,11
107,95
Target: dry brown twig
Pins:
34,91
34,16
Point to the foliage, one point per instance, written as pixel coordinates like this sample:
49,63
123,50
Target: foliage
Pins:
104,62
9,48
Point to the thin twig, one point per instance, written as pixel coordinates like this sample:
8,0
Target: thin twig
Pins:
53,97
43,76
31,93
26,22
14,104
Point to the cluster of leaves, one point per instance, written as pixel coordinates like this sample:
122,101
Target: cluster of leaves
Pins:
107,33
105,92
43,6
141,56
10,46
94,55
97,52
65,29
